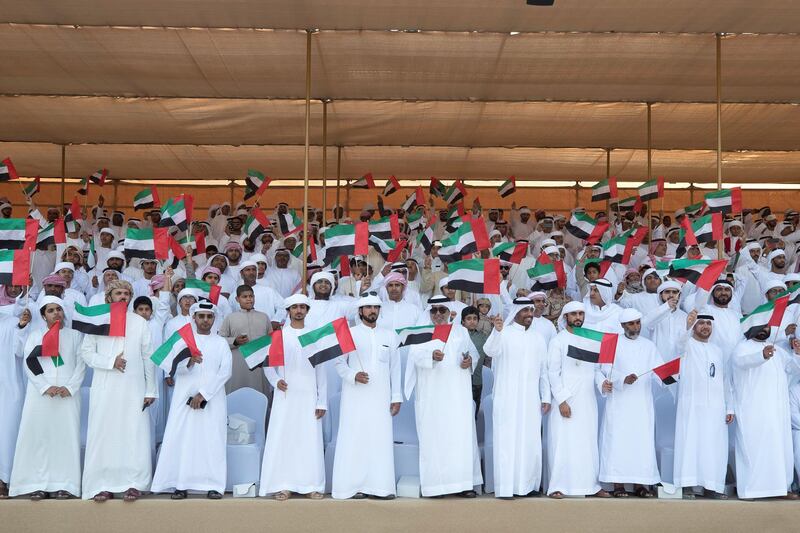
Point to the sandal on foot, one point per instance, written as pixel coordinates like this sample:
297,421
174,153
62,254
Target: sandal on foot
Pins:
179,495
282,496
39,495
557,495
100,497
620,493
359,496
601,494
131,495
315,495
214,495
63,495
642,492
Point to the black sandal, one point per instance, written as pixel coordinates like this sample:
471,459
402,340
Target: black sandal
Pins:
179,495
213,495
642,492
39,495
620,493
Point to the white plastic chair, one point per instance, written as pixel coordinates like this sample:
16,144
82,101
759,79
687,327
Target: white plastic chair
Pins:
244,460
404,424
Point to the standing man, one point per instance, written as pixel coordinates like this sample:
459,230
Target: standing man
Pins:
521,396
193,453
241,327
123,386
293,453
371,396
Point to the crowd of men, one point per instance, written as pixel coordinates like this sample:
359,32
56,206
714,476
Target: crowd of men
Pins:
561,426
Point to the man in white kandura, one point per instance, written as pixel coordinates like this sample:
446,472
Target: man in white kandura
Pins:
118,457
371,396
48,455
193,453
704,410
627,435
293,452
764,451
444,408
521,396
572,438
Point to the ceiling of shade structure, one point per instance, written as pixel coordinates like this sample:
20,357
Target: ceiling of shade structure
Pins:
203,89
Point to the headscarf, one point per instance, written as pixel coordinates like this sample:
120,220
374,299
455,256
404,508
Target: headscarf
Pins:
569,307
517,305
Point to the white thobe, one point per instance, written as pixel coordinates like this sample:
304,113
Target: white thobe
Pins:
521,385
193,453
293,452
764,451
794,408
643,301
701,435
364,460
48,454
445,415
12,389
572,442
627,434
282,280
396,315
546,329
117,421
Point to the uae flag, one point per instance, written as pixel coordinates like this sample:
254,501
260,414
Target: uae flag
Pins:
476,276
364,182
311,256
346,239
179,347
469,238
425,239
52,234
604,190
548,276
437,188
256,224
17,233
769,314
7,170
255,184
45,356
264,351
73,216
456,192
793,293
328,342
632,203
105,319
385,228
415,220
343,264
603,265
513,252
204,290
618,249
392,186
146,199
146,243
99,177
196,241
32,189
702,272
421,334
83,190
668,371
692,210
725,201
389,249
174,214
508,187
650,190
15,267
289,223
585,227
592,346
705,229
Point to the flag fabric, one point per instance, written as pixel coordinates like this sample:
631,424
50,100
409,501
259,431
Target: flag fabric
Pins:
425,239
346,239
437,188
343,264
255,183
604,265
585,227
705,229
47,353
668,371
410,202
180,346
146,199
311,256
769,314
693,209
146,243
592,346
204,290
364,182
508,187
99,177
456,192
476,276
619,249
17,233
52,234
793,293
513,252
289,223
83,190
469,238
255,224
650,190
724,201
73,215
392,186
7,170
384,247
33,188
415,220
15,267
421,334
604,190
328,342
548,276
702,272
631,203
385,228
264,351
105,319
91,258
196,241
174,214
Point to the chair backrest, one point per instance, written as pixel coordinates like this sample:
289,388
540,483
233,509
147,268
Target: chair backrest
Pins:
252,404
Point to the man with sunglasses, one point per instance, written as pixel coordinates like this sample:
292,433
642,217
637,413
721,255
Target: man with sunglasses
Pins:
442,372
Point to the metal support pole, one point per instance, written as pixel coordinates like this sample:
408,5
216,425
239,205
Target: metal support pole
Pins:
338,178
231,186
63,174
719,125
577,191
649,168
324,161
608,176
305,175
116,192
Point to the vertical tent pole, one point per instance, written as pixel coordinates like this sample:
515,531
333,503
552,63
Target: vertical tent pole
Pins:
231,186
608,177
648,220
577,190
116,191
63,174
719,125
338,177
305,175
324,161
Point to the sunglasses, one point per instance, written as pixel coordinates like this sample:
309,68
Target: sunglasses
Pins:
439,310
